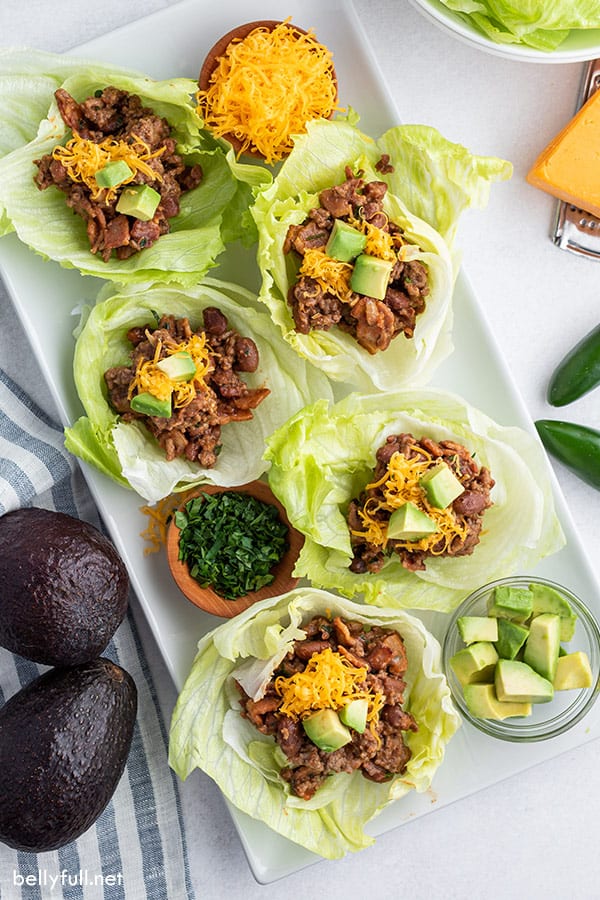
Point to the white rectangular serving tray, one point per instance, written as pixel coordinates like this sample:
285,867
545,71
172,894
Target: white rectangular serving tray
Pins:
172,43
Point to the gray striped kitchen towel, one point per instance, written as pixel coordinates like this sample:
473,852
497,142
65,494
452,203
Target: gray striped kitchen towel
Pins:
136,850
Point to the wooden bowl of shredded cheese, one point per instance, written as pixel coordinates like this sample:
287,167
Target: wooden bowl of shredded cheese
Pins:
261,83
203,595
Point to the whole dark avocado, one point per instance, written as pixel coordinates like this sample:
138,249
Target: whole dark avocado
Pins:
64,741
63,587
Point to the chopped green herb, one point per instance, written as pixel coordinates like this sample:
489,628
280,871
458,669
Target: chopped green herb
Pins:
230,541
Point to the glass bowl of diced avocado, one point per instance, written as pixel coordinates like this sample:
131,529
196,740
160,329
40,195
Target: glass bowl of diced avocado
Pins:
522,658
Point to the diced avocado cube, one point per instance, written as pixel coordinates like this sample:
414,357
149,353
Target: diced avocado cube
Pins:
573,671
475,663
441,485
516,681
477,628
482,703
345,242
149,405
138,200
325,730
511,638
510,603
113,173
354,714
179,366
370,276
546,599
409,523
543,644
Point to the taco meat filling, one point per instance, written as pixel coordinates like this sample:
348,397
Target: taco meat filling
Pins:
338,282
342,661
208,395
402,512
118,146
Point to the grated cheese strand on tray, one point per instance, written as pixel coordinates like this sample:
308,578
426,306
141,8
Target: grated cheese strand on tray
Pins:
159,516
266,87
83,158
400,485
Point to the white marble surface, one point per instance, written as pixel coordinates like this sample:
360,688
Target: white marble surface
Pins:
534,834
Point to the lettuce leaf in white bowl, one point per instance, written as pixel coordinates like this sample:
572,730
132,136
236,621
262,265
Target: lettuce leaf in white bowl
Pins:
208,731
213,213
127,452
431,182
541,24
325,455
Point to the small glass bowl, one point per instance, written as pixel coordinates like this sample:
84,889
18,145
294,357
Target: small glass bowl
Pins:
547,720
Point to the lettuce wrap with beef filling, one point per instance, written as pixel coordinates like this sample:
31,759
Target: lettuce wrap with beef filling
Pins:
428,182
127,451
208,731
211,214
541,24
325,455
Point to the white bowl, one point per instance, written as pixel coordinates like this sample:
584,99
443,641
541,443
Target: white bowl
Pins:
580,45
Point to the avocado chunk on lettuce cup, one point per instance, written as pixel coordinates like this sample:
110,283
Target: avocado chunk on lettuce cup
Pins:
325,457
328,312
208,214
208,730
135,447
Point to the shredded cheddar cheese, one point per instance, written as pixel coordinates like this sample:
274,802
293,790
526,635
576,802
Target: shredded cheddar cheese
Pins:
151,379
83,158
331,274
329,681
159,515
400,485
380,243
266,87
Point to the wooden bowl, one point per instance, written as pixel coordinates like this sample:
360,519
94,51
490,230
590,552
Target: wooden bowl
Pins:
219,49
204,597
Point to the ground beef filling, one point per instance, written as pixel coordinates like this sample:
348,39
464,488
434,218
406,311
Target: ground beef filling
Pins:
373,323
468,508
194,430
378,753
117,114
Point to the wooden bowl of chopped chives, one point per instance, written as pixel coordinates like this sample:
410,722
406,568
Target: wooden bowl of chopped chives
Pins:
261,83
229,547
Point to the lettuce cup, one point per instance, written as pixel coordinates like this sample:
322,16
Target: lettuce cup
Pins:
412,498
239,717
182,387
119,179
356,248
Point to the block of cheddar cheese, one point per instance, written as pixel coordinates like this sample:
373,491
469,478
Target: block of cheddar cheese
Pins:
569,167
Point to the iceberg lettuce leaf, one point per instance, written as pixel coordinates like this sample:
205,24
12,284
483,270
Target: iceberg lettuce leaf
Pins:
324,456
432,165
127,451
210,214
539,24
208,732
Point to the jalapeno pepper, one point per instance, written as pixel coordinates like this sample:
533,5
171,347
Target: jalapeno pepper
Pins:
578,373
577,446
